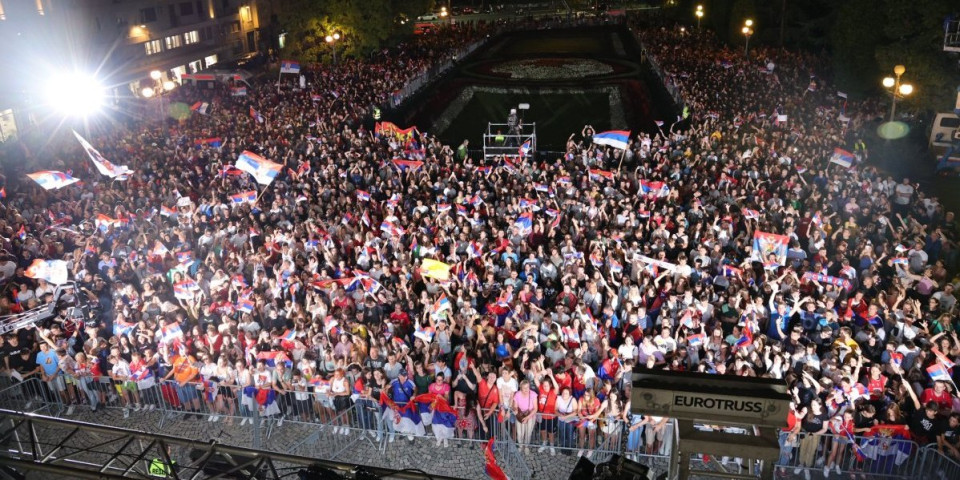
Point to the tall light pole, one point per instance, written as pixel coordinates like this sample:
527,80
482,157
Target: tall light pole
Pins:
699,14
898,90
747,32
332,40
159,89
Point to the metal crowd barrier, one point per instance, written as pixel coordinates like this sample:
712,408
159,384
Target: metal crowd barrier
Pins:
362,424
871,457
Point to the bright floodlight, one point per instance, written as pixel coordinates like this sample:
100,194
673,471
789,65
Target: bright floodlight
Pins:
889,82
329,39
906,89
75,94
155,74
336,36
147,92
168,85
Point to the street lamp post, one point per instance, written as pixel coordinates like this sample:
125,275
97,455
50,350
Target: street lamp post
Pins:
699,14
332,40
747,32
898,89
159,89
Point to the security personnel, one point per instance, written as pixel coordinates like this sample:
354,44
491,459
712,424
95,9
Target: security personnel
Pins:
499,138
860,148
376,114
159,469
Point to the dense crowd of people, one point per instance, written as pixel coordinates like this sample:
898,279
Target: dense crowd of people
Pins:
521,291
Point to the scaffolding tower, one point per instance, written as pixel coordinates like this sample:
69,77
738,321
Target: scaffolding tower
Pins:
73,449
500,140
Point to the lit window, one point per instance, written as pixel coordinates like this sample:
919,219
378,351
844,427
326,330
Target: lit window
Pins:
191,37
153,46
173,41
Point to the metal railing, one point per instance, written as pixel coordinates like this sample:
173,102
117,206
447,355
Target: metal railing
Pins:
361,430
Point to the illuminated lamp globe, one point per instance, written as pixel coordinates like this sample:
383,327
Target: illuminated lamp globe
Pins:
147,92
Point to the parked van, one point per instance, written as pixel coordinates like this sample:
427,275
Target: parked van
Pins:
944,134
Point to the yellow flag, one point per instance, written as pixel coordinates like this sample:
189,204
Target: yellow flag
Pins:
434,269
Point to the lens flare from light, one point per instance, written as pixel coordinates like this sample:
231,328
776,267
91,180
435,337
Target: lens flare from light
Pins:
76,94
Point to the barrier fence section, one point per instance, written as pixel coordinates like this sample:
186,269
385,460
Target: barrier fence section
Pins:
872,457
360,430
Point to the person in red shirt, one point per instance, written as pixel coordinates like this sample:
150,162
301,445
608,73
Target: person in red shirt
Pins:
875,382
547,405
940,393
489,397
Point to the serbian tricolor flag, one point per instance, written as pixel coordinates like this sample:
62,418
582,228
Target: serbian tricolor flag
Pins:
745,339
407,165
238,91
254,114
443,417
766,244
424,333
614,138
658,188
168,211
842,157
525,149
170,333
695,340
273,357
243,197
289,335
942,359
289,66
731,271
597,175
524,223
214,142
200,107
22,233
363,195
121,327
52,179
254,397
245,305
493,470
474,250
406,418
442,303
263,170
103,222
751,214
391,229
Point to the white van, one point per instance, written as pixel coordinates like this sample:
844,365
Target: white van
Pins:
944,133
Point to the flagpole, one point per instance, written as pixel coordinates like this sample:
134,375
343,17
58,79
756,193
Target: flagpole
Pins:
623,153
279,75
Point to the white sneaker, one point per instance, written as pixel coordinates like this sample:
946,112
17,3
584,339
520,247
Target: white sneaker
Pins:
263,421
806,474
243,421
151,407
552,451
216,418
542,448
379,437
70,410
590,454
836,468
580,453
136,407
446,443
210,418
28,405
280,421
392,438
439,442
126,413
410,437
826,471
796,471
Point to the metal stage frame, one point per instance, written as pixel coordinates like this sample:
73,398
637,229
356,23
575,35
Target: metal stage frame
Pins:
36,443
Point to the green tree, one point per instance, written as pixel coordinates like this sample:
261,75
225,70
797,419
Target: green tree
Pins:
363,25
